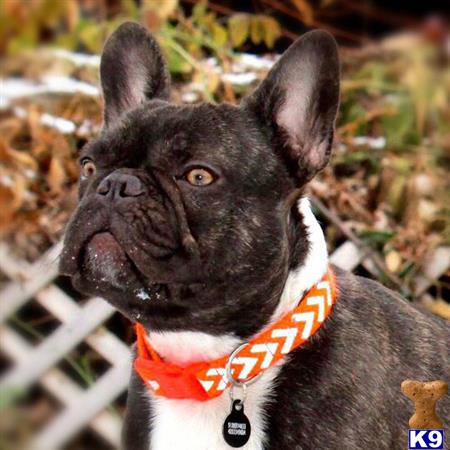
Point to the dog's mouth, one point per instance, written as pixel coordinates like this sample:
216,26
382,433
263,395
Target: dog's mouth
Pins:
104,259
101,263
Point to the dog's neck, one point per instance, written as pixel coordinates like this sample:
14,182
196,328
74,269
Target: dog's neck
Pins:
185,347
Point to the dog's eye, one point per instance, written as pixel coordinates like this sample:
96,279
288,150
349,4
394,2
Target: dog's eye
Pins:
199,177
88,168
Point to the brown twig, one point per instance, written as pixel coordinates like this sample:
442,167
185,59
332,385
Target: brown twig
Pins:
366,250
368,9
315,23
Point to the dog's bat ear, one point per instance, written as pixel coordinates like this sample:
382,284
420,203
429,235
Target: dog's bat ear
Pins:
299,101
132,70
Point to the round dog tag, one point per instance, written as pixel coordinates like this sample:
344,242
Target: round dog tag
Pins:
236,428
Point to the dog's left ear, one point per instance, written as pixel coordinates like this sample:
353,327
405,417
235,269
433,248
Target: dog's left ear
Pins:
132,70
299,100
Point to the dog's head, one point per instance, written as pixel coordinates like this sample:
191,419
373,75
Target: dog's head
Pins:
187,216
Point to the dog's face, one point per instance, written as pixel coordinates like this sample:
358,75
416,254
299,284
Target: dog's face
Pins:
187,216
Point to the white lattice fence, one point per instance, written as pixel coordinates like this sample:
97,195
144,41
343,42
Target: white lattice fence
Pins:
38,364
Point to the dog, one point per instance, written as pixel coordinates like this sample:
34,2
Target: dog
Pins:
193,222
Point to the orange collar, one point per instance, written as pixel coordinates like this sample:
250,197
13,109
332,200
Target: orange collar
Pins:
207,380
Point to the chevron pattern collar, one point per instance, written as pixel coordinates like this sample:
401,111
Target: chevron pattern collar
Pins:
207,380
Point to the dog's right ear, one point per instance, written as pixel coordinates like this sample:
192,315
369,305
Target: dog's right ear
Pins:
132,70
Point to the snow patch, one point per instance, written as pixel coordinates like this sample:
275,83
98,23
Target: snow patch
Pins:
13,88
377,143
142,294
79,59
63,125
240,79
254,62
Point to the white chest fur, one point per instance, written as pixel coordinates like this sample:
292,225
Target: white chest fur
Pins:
192,425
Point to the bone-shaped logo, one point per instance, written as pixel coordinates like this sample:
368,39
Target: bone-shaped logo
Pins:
425,395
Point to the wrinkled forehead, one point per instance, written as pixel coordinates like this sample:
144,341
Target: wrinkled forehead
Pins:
159,133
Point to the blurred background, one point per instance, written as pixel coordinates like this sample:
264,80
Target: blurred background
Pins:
383,201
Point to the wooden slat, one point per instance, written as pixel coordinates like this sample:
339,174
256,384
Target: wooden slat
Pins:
18,349
41,273
106,424
57,345
347,256
72,420
106,344
10,266
436,265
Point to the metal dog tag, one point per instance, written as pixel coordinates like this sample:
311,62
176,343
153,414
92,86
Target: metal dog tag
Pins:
236,428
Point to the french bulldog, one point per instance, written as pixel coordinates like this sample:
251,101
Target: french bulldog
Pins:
193,221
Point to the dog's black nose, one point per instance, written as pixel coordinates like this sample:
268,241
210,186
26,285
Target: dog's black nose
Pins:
117,185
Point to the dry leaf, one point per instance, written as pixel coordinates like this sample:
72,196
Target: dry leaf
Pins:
7,215
437,306
306,11
156,12
272,30
56,176
238,26
17,161
256,30
393,261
